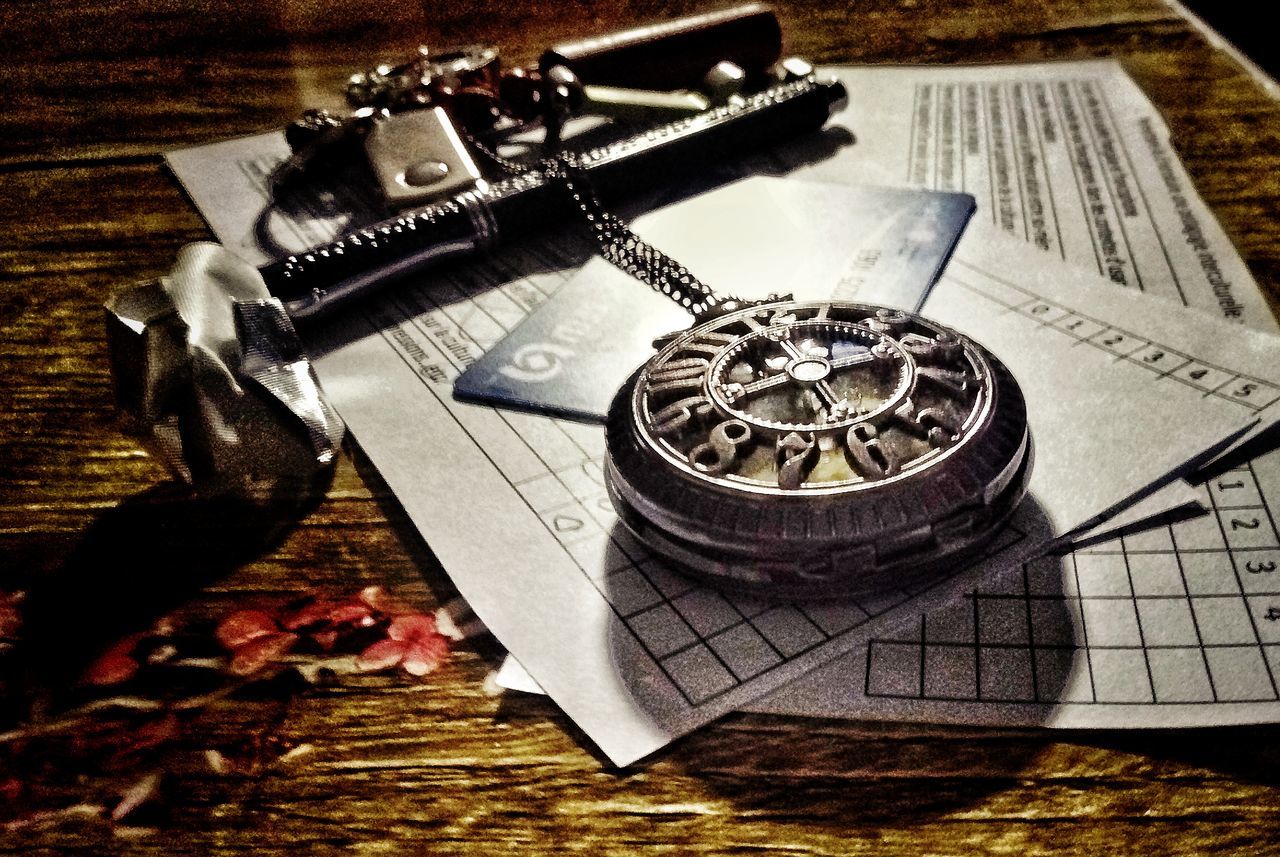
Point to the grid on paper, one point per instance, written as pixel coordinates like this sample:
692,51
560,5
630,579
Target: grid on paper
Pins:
705,641
1185,613
1138,646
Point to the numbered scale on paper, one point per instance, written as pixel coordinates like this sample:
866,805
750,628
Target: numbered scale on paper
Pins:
1184,613
1161,360
1188,613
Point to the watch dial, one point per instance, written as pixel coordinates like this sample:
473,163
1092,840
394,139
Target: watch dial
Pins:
809,397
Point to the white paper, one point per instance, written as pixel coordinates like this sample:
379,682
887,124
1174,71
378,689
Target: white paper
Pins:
1236,662
512,505
1178,626
1070,157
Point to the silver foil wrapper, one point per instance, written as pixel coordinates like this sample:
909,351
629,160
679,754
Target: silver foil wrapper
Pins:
210,372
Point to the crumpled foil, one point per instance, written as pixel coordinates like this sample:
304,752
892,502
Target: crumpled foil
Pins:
211,373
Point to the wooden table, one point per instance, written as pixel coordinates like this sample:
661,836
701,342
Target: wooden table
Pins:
90,526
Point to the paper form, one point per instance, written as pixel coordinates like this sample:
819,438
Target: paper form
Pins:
1204,634
513,506
440,326
1177,626
1070,157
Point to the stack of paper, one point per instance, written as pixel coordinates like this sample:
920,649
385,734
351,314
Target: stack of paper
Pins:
1069,165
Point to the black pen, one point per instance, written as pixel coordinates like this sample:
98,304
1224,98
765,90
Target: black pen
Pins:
314,282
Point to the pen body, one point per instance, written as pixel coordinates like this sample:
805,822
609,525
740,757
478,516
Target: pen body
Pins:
317,281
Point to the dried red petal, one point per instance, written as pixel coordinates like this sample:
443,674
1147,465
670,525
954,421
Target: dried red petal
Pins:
352,612
325,639
411,627
11,789
10,618
261,651
328,611
146,736
116,664
126,644
382,654
111,668
156,731
425,654
312,612
244,625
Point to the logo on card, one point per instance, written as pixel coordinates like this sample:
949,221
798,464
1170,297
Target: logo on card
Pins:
536,362
540,361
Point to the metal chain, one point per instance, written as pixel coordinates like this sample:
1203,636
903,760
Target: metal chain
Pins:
619,245
627,251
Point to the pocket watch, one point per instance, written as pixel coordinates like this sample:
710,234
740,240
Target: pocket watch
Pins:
806,449
817,449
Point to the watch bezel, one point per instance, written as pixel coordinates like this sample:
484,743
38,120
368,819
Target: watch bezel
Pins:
642,415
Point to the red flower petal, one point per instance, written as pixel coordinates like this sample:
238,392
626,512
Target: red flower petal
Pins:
111,668
147,736
244,625
378,599
10,619
382,654
325,639
411,627
311,613
154,733
352,612
260,651
126,644
328,611
425,654
11,789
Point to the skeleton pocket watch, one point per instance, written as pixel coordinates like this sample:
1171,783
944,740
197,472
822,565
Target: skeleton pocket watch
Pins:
819,449
807,449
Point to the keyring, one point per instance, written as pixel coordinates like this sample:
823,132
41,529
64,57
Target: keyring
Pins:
430,78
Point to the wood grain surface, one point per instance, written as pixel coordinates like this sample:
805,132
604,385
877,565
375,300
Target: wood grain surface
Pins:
93,92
